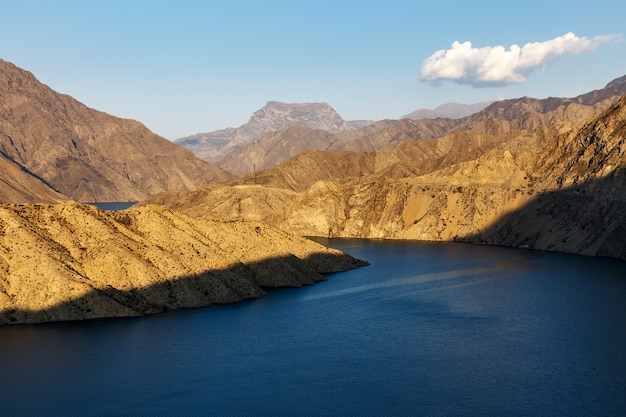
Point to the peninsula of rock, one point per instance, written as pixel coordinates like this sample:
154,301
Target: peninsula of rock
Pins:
73,261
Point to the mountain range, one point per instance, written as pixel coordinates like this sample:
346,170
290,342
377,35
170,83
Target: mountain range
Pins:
530,173
537,180
287,130
72,261
54,148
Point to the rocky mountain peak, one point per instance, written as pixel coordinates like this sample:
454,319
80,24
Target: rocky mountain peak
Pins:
272,117
276,115
297,113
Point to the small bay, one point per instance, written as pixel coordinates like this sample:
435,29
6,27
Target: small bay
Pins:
443,329
114,206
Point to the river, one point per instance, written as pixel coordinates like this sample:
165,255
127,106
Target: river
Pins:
427,329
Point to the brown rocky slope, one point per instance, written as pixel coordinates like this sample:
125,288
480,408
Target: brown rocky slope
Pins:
82,153
72,261
547,188
525,113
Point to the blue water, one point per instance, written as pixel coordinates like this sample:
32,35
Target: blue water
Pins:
426,330
123,205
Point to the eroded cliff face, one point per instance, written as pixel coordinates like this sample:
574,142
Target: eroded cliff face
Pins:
73,261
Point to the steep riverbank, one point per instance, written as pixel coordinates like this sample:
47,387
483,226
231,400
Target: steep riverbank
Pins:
72,261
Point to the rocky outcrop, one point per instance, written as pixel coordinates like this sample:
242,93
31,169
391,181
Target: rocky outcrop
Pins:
72,261
273,117
83,154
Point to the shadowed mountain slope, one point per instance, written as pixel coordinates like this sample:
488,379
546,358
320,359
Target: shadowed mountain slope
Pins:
566,220
17,184
73,261
452,188
85,154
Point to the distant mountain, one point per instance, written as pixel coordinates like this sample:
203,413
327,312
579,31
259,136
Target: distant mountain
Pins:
56,148
498,117
274,148
447,110
514,108
241,152
272,117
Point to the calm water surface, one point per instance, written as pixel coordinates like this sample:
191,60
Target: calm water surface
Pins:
123,205
427,329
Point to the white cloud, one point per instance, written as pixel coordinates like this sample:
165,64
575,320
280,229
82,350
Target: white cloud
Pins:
495,65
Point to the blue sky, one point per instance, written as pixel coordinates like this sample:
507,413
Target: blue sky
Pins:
183,67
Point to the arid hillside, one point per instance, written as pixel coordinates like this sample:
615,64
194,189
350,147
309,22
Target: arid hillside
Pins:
472,186
282,132
72,261
413,157
67,150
